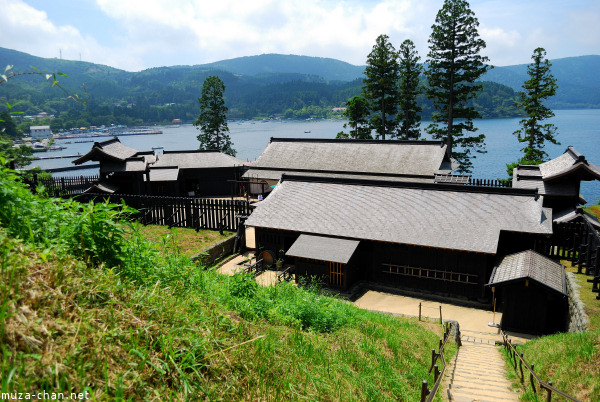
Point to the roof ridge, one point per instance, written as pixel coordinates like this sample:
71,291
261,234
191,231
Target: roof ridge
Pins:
357,141
414,185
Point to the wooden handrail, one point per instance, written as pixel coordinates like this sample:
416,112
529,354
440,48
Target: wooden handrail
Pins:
533,377
426,393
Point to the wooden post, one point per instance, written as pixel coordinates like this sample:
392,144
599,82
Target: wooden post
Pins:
521,367
441,321
419,311
436,373
424,391
531,379
549,396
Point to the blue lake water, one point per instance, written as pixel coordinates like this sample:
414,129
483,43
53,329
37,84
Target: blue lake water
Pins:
579,128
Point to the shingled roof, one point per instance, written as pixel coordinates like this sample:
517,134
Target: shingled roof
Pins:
432,215
197,159
529,265
417,159
107,150
571,162
323,248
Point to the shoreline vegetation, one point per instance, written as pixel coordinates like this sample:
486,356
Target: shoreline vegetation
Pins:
88,304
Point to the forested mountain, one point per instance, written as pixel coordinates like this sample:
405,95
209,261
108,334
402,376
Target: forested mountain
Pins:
257,86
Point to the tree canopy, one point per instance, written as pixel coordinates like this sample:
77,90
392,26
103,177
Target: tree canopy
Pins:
409,111
454,67
539,87
357,112
381,86
212,121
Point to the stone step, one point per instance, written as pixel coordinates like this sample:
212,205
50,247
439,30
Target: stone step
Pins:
480,386
464,376
467,397
488,393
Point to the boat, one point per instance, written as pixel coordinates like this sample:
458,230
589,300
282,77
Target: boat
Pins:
157,148
307,132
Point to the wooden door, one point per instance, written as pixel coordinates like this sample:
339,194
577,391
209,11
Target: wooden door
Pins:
336,274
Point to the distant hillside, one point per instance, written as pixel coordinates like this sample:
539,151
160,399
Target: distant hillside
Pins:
257,86
328,69
578,81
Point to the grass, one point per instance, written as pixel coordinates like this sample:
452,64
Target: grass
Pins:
87,304
570,360
187,241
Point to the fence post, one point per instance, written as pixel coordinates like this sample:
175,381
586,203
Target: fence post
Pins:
531,379
521,367
419,311
424,391
441,321
549,396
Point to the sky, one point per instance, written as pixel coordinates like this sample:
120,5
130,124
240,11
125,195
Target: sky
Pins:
137,34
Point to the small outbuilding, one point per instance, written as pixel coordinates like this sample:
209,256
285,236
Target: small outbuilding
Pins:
532,290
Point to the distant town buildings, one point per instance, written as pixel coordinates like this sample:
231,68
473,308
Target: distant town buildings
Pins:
40,132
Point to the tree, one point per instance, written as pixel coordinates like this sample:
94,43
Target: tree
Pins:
380,87
454,66
212,119
409,117
357,112
8,127
540,86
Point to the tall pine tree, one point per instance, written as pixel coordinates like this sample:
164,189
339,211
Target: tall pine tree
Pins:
409,111
212,121
454,66
381,88
357,112
540,86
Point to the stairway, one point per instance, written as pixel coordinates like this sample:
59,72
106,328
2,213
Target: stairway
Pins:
478,374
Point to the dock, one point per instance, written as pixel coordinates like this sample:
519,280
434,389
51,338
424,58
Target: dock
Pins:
41,158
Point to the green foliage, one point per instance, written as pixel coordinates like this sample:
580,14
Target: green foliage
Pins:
454,67
380,86
409,114
357,112
540,86
212,121
8,127
510,167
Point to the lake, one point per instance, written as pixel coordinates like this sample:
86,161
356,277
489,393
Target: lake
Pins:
579,128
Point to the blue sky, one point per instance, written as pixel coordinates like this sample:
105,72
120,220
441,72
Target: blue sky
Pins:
138,34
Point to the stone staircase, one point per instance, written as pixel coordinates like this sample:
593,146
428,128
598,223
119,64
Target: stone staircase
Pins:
478,373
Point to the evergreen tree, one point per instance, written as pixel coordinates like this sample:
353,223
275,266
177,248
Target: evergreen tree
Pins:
540,86
357,112
381,86
409,114
8,128
454,66
212,121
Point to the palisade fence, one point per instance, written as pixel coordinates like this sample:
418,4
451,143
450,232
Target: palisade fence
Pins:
489,182
579,243
65,186
184,212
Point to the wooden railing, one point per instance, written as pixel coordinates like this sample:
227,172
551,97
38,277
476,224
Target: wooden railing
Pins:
65,186
514,355
489,183
578,242
426,393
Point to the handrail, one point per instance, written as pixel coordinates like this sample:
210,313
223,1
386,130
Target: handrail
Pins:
513,354
429,394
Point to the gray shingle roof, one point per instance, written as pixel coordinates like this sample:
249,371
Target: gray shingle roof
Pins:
323,248
135,164
416,158
164,174
529,265
197,159
575,215
454,219
111,149
102,187
569,161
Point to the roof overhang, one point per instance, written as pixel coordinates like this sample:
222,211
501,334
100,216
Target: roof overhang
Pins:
323,248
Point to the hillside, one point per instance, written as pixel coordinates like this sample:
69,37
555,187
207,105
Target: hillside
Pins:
257,86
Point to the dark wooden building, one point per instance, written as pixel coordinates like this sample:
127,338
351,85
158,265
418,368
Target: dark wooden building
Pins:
532,292
559,181
437,238
122,168
361,159
125,170
194,173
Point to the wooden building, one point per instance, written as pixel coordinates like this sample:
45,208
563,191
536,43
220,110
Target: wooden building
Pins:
125,170
532,292
194,173
362,159
439,238
558,180
122,168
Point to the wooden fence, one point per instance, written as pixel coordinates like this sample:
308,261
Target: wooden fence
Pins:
194,213
428,394
489,182
578,242
65,186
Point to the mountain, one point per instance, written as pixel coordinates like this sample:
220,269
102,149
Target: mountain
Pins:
256,86
328,69
577,79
